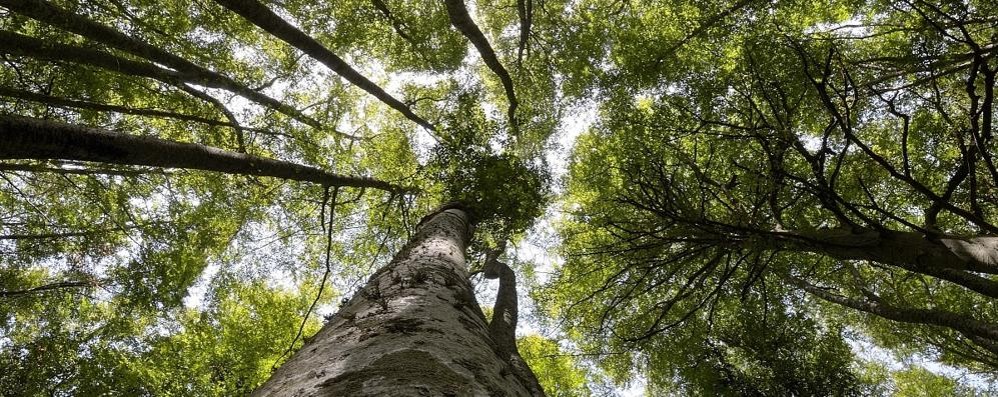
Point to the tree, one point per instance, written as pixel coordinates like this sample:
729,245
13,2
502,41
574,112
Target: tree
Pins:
766,183
414,329
145,61
847,157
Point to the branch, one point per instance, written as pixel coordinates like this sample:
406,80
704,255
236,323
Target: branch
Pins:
48,13
16,44
396,23
29,138
325,274
261,16
701,29
963,324
80,104
46,288
525,9
462,21
240,140
844,123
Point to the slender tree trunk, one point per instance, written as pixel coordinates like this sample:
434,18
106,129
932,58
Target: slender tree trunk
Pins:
503,326
414,330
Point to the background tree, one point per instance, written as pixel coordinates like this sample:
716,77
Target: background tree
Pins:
833,158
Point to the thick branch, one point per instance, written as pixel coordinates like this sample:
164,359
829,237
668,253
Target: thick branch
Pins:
977,254
78,104
45,288
461,20
263,17
29,138
502,328
48,13
961,323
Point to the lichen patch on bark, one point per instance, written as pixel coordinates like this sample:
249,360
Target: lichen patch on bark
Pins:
399,366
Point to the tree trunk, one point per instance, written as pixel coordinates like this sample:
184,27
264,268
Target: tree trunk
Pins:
415,329
503,326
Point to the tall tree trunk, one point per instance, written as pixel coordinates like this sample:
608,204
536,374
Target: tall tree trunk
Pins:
415,329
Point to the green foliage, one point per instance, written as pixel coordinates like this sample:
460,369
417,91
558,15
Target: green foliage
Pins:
559,373
725,129
504,193
226,349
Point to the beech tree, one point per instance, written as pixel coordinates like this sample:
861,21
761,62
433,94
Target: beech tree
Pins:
298,197
844,162
39,35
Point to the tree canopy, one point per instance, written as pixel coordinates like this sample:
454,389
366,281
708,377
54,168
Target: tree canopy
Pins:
188,187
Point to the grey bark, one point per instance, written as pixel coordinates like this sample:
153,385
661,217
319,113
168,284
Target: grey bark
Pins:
505,314
46,12
462,21
261,16
415,329
29,138
950,258
983,334
976,254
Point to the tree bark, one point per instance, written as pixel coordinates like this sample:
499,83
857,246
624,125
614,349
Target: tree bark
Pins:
462,21
261,16
415,329
505,314
29,138
976,254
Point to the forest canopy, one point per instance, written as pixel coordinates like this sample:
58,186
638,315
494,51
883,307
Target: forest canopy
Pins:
697,198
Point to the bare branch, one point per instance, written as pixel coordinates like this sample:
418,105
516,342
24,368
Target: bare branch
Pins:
261,16
462,21
42,139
